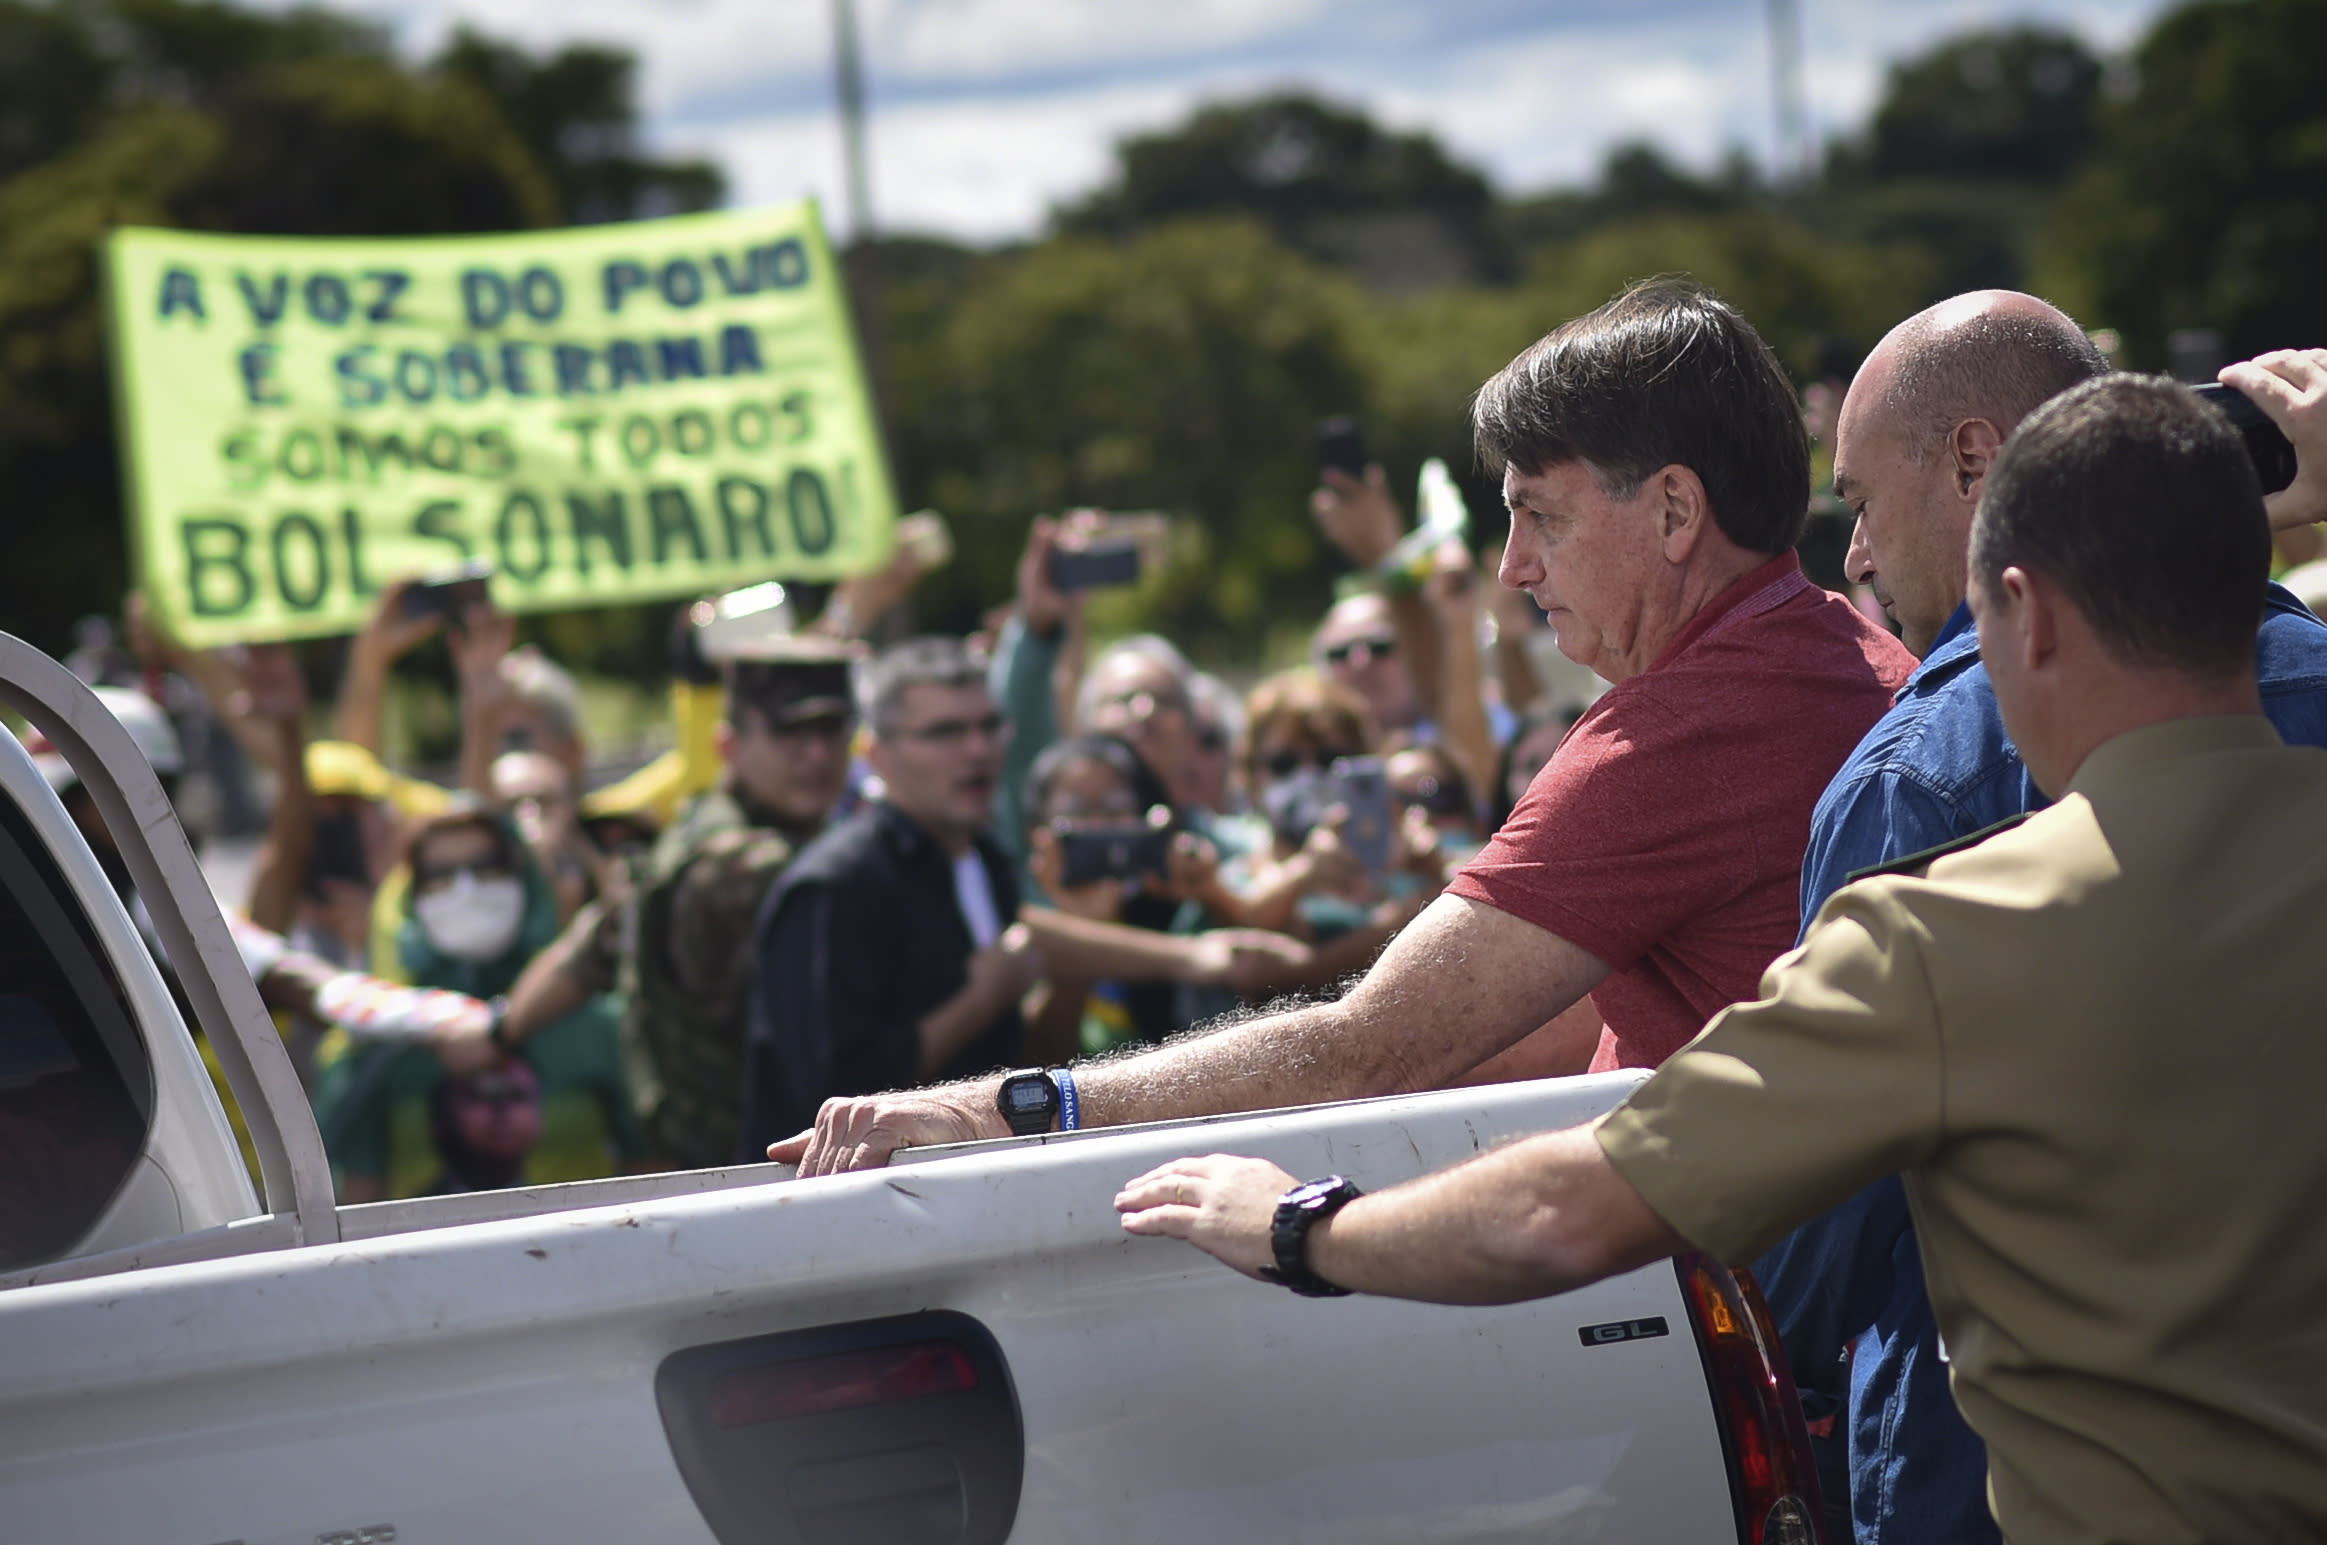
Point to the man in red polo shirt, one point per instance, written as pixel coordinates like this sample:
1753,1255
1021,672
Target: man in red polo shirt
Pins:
1657,473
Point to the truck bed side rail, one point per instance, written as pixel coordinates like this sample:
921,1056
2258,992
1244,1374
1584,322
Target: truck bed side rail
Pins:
292,1167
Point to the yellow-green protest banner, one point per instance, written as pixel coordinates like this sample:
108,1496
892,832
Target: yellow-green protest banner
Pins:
603,414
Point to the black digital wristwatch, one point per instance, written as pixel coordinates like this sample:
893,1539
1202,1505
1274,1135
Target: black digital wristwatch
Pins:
1298,1211
1028,1101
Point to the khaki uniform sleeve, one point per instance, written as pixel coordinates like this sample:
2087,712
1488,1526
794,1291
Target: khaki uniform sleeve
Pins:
1786,1107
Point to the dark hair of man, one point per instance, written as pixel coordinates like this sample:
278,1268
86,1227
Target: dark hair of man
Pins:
2137,500
917,662
1663,374
759,692
2000,366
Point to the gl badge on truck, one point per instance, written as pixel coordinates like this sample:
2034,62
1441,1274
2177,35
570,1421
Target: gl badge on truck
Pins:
1623,1330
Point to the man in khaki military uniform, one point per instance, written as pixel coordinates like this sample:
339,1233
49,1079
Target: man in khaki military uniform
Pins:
677,940
2090,1042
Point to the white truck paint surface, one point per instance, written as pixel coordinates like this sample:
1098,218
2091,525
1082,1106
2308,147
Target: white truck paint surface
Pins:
964,1347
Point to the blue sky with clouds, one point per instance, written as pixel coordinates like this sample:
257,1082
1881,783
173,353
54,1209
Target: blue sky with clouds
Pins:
986,113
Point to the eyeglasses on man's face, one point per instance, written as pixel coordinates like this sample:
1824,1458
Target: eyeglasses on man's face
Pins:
952,732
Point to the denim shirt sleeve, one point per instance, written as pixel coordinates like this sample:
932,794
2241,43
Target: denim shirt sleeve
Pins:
1830,1279
1864,819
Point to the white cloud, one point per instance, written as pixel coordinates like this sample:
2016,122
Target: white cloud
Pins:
989,112
974,171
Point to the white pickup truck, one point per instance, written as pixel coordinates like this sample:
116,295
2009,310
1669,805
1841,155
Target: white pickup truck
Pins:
962,1349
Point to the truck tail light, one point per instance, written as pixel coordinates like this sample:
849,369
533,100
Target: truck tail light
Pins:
1772,1478
901,1431
815,1385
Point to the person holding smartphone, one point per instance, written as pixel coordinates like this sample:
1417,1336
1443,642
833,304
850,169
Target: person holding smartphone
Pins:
1100,845
1920,429
1653,456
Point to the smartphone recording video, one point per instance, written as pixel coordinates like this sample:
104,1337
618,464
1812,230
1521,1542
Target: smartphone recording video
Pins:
1361,785
1341,446
1117,852
451,593
2266,446
1102,564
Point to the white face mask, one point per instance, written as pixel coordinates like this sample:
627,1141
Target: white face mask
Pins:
472,919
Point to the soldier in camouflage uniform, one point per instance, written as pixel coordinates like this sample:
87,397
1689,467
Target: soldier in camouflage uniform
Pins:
677,939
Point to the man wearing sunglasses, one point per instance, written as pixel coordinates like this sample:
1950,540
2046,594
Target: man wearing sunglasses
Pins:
1357,645
678,944
1658,477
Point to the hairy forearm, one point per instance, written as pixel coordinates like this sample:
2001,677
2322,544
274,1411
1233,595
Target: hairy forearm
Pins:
1433,1007
1348,953
1459,984
1303,1056
1542,1216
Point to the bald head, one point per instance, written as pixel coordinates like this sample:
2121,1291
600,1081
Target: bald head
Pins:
1357,645
1996,355
1930,409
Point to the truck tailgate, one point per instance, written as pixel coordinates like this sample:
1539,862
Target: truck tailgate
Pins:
498,1381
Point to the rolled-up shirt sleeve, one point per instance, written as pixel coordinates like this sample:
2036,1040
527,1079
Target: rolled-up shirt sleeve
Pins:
1786,1106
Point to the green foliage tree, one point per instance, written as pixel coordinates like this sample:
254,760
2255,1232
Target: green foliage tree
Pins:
576,112
2205,203
1965,153
1323,179
2014,105
1637,181
1183,370
202,115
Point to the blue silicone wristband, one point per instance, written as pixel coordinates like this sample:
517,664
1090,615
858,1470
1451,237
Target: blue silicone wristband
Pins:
1069,1109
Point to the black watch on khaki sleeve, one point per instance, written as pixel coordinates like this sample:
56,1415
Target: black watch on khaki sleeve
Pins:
1298,1211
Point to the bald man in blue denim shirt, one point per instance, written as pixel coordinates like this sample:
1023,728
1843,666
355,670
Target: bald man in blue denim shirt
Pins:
1918,431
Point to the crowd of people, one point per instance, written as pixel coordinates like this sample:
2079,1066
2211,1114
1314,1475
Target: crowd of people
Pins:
860,868
1562,829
